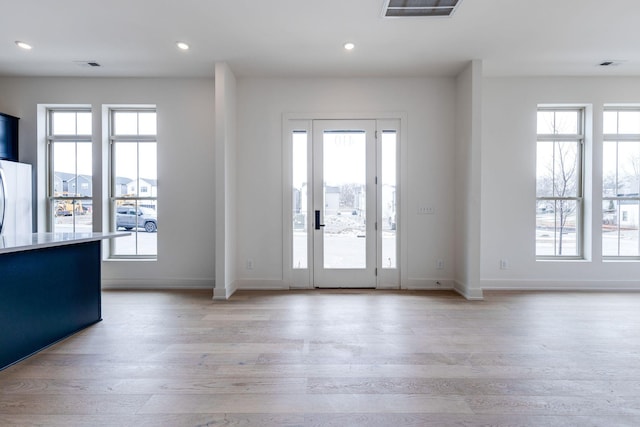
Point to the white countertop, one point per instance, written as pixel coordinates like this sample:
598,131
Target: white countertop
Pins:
27,242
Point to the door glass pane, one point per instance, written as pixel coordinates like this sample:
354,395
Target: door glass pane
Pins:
345,215
389,207
300,198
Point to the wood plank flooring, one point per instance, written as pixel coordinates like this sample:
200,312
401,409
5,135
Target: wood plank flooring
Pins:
338,358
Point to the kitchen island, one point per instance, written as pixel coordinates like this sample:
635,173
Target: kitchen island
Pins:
49,289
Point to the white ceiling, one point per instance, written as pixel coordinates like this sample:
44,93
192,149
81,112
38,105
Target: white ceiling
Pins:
305,37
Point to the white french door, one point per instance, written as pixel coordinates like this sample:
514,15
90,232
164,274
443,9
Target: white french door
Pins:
344,182
344,203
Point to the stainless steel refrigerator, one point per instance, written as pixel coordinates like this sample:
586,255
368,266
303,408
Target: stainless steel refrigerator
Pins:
15,198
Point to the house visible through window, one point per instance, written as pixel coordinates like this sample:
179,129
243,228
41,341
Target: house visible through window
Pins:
69,170
134,182
621,183
559,192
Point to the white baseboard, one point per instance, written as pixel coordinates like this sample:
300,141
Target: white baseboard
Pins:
472,294
427,284
561,285
153,283
445,284
262,285
225,293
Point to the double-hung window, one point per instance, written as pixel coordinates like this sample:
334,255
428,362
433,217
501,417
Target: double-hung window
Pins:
134,182
559,183
69,160
621,183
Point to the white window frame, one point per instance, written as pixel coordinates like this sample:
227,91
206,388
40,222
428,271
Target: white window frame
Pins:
579,198
620,137
51,139
113,199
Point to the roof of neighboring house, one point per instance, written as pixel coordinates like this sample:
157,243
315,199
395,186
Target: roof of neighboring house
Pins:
68,177
153,182
120,180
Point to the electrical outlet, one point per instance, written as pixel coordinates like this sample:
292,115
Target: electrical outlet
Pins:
440,264
249,264
504,264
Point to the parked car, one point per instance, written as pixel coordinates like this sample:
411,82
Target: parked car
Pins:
128,217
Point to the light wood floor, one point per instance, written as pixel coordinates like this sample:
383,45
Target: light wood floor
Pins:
338,358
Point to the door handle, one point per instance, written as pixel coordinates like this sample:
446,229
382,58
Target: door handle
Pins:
317,222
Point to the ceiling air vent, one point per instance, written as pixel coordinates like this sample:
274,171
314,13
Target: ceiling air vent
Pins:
419,8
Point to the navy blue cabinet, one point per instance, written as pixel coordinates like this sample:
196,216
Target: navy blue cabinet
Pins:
8,137
47,295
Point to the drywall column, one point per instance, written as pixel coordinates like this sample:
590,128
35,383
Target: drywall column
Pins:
468,180
225,180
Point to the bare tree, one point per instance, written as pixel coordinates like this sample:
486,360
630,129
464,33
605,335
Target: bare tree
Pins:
633,175
347,195
565,182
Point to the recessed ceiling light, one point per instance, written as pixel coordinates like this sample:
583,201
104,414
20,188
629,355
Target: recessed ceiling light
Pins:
182,45
349,46
23,45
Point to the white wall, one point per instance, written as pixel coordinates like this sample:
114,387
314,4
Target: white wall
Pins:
185,165
439,119
508,183
429,105
468,195
226,188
